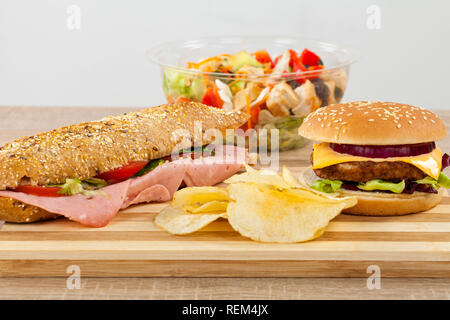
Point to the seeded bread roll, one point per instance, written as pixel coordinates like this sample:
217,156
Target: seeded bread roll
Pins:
373,123
88,149
15,211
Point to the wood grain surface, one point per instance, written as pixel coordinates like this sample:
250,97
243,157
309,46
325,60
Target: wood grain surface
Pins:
418,246
224,288
133,246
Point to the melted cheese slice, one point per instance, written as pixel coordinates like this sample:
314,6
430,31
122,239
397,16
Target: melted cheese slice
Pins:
430,163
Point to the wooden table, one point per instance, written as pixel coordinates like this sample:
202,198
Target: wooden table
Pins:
19,121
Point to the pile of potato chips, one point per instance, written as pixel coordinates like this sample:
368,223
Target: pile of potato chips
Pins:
259,204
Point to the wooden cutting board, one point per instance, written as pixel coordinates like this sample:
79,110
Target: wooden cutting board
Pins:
131,245
416,245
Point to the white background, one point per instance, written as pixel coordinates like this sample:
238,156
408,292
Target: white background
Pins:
43,62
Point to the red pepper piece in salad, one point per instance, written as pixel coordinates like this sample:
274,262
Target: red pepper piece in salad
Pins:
315,75
274,62
293,57
263,56
309,58
254,113
212,98
297,66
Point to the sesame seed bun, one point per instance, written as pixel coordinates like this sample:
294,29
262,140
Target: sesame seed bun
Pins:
373,123
391,204
382,203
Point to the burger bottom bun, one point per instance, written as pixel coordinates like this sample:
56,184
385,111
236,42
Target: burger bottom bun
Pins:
386,204
381,203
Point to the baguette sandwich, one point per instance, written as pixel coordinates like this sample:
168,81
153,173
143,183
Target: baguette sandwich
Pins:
87,172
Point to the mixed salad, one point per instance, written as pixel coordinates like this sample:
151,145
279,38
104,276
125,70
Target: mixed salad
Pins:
276,92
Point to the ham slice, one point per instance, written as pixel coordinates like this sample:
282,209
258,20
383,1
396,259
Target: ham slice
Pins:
211,170
207,172
158,185
94,211
156,193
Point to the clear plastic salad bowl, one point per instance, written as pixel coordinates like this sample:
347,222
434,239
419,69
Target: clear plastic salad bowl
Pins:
274,79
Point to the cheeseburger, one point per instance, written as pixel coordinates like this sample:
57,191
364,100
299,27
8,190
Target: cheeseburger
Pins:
384,153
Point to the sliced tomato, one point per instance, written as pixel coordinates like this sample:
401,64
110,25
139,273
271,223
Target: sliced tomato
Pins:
309,58
212,98
40,191
263,56
123,173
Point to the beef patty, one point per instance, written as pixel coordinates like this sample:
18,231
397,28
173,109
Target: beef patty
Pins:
363,171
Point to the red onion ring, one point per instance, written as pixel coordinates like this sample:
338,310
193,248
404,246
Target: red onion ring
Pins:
445,161
372,151
410,187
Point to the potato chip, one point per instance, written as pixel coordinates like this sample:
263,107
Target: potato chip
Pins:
208,207
260,204
290,179
267,214
199,195
259,176
318,234
313,195
177,221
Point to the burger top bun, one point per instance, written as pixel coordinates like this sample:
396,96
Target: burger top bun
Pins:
373,123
